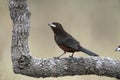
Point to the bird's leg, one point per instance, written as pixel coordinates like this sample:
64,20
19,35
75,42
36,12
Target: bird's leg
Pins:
62,54
72,54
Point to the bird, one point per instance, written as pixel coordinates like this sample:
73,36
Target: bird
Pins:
67,42
118,48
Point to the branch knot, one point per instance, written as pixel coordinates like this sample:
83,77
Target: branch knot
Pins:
23,62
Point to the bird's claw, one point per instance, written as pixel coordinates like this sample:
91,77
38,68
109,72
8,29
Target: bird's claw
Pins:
57,57
71,56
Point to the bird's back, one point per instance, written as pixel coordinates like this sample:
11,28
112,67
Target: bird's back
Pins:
68,41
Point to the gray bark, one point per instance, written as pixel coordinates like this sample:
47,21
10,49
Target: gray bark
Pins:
24,63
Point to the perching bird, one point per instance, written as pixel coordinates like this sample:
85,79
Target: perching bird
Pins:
66,42
118,48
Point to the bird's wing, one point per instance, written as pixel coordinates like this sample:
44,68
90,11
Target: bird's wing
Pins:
69,41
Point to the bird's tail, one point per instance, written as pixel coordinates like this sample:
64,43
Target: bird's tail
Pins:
88,52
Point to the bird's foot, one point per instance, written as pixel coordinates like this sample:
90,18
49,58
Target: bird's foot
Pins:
57,57
71,56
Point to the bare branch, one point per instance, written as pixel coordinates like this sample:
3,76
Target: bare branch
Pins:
24,63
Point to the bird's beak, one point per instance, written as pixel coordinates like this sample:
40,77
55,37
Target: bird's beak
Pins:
51,25
117,49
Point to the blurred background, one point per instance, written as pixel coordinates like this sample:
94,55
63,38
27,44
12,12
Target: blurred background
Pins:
95,23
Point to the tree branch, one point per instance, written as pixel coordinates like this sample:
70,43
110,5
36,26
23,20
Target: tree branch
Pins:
24,63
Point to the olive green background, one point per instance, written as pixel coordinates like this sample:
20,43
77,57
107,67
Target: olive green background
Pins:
95,23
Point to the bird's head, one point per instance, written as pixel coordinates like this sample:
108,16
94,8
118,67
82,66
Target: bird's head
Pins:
56,27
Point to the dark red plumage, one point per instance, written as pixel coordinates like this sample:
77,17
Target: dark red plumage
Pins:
66,42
